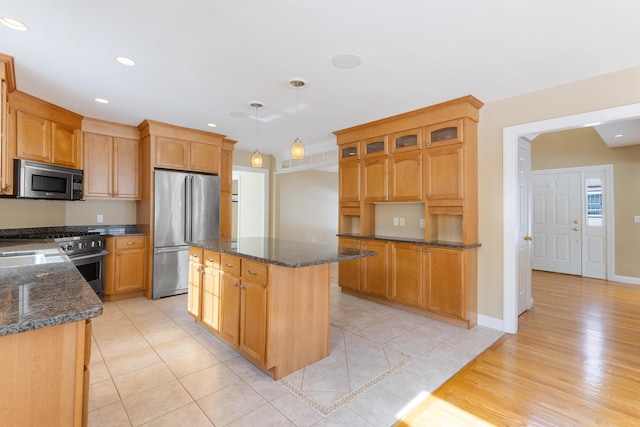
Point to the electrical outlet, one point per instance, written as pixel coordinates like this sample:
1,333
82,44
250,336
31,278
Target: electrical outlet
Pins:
421,222
395,221
99,218
401,222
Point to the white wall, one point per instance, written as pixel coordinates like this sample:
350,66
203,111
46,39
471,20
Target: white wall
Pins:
307,206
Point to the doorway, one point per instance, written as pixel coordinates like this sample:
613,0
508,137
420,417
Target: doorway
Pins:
250,203
511,198
572,211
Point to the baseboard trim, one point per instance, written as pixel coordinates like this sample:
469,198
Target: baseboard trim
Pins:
491,322
626,279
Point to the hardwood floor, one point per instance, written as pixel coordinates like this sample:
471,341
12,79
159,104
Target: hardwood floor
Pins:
575,361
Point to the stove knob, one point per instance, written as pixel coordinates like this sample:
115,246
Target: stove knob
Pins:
93,244
69,247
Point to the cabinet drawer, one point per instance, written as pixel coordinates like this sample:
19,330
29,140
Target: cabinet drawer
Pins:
133,242
212,259
230,264
254,271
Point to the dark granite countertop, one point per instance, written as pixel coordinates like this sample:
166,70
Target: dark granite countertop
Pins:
286,253
42,295
440,243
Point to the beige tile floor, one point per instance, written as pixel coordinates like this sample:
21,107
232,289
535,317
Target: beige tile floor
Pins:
152,365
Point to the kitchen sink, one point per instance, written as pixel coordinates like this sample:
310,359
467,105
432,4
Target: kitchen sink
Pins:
18,259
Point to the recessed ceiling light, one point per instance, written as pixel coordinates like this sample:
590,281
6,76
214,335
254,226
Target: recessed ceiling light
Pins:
347,60
212,125
126,61
14,23
618,135
101,100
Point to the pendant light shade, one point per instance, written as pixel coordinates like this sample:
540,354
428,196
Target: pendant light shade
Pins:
256,157
297,149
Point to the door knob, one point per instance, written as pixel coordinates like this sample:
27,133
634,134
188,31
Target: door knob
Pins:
527,238
576,229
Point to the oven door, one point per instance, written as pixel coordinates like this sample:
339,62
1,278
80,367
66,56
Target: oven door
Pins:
91,266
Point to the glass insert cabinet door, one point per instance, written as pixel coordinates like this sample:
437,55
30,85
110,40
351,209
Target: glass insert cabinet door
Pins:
375,146
408,140
450,132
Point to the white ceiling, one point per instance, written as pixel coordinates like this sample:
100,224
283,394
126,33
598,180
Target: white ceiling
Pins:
199,61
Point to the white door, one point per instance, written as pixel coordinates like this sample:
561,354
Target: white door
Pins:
556,223
524,226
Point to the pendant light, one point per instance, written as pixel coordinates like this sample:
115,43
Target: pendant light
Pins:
297,149
256,157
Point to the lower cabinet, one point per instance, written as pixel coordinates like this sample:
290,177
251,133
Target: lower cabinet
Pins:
407,279
432,279
44,376
375,269
125,267
349,271
234,302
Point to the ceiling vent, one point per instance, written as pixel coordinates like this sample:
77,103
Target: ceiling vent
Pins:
325,160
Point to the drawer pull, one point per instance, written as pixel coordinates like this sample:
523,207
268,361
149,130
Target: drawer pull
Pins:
229,265
194,255
131,243
255,273
209,259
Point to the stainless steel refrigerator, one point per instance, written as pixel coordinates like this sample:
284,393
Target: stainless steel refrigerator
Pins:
186,209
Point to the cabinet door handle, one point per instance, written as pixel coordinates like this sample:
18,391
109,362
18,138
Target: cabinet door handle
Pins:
393,197
428,196
55,160
46,157
235,283
242,287
118,253
384,197
255,273
427,250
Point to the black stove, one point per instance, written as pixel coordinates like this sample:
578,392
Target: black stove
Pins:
73,243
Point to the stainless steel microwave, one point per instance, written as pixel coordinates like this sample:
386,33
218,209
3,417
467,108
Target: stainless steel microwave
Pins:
34,180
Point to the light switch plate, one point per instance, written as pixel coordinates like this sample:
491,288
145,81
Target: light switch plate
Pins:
421,222
395,221
636,218
99,218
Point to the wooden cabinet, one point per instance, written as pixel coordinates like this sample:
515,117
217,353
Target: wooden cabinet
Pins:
125,267
225,215
349,271
374,179
6,149
375,269
174,153
210,295
444,271
44,376
226,170
112,167
375,147
407,279
405,177
444,175
408,140
194,289
350,151
349,176
243,313
445,133
230,307
43,140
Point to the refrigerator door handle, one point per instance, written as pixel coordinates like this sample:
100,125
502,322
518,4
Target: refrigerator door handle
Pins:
187,209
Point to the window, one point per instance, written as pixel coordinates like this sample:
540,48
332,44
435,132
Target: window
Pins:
594,202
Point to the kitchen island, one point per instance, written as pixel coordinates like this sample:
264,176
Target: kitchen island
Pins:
267,298
45,337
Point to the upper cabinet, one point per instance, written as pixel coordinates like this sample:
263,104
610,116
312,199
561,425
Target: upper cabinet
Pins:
6,150
43,132
187,155
427,155
111,160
